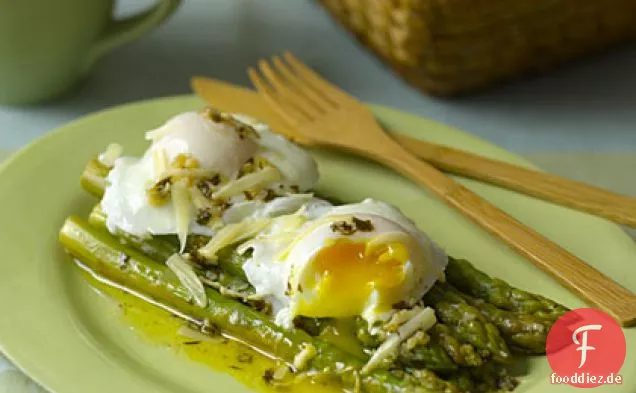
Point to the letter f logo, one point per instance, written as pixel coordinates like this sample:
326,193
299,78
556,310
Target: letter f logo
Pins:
583,344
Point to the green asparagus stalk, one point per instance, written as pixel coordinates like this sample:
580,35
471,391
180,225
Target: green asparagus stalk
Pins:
469,324
141,276
431,356
431,381
524,332
462,354
463,275
160,248
489,378
154,247
443,353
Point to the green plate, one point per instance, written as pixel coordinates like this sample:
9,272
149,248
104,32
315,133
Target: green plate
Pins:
67,337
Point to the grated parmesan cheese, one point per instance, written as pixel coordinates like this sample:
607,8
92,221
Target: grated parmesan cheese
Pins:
423,320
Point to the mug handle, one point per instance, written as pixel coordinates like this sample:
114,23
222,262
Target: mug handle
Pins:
119,32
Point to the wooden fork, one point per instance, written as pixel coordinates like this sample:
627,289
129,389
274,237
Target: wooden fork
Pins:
324,115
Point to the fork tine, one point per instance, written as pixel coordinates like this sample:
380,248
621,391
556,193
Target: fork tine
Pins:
319,84
284,89
303,87
287,111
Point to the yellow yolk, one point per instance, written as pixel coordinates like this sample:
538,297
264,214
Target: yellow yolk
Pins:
345,273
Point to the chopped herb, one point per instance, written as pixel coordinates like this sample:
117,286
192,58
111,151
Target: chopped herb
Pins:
248,195
268,375
209,328
212,275
295,189
343,227
159,193
222,204
192,342
349,228
243,130
363,225
213,114
179,161
205,186
233,367
299,288
401,305
247,168
193,243
203,216
123,260
269,195
245,357
261,306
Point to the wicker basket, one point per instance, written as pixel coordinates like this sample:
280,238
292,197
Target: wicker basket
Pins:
450,47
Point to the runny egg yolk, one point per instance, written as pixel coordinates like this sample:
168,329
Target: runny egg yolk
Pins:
345,274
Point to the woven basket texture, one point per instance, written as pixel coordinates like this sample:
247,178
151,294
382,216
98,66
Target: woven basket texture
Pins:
452,47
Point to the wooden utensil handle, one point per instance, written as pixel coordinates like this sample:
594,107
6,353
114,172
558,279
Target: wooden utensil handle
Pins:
582,279
618,208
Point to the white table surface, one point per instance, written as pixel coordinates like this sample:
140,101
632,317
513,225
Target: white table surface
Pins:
586,106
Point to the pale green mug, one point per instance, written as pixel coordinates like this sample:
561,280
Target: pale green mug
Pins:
47,46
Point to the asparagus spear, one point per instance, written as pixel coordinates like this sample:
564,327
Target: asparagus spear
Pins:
489,378
430,380
462,354
161,248
431,356
154,247
443,353
463,275
469,324
524,332
141,276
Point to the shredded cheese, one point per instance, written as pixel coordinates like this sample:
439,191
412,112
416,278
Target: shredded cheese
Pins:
110,155
189,173
252,181
225,291
302,358
182,210
398,319
188,278
423,320
199,200
280,374
231,234
188,332
159,163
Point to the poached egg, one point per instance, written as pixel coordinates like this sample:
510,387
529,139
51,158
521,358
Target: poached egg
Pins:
365,259
208,164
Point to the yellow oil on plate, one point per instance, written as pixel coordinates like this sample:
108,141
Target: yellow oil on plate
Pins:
70,339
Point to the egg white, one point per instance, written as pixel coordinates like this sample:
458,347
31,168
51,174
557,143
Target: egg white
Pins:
283,257
218,148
